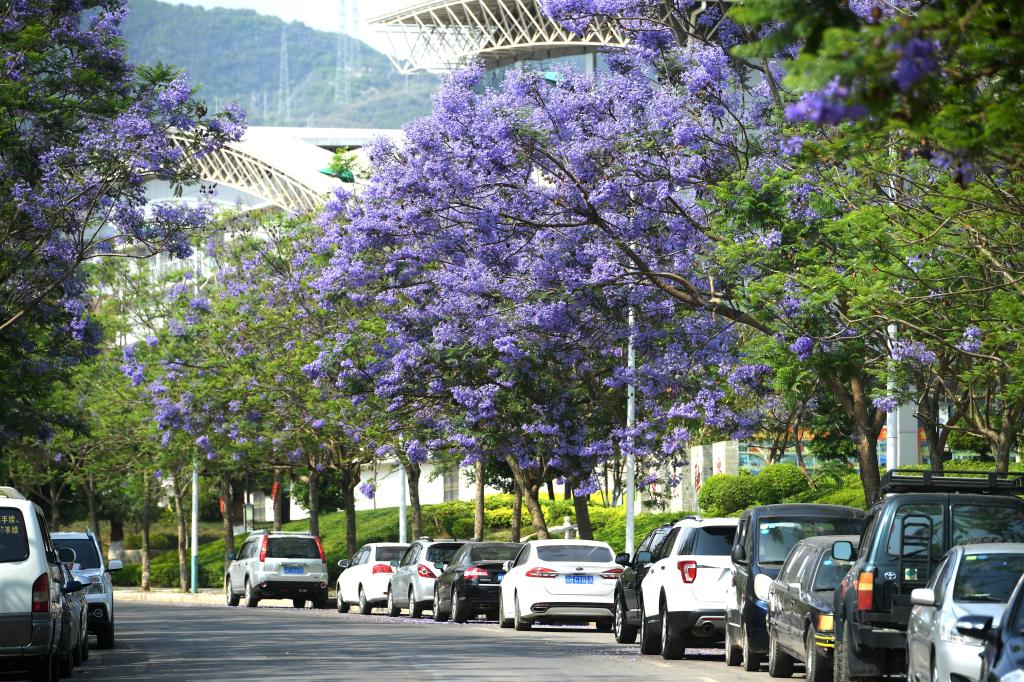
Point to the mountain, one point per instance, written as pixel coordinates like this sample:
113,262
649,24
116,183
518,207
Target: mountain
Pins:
236,55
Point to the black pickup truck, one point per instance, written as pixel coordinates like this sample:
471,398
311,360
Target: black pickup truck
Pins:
920,516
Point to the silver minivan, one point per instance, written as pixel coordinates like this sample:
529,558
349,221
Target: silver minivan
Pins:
278,565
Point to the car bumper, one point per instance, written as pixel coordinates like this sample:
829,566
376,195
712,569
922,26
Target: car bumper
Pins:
98,615
708,623
38,641
480,596
880,638
554,610
957,658
280,589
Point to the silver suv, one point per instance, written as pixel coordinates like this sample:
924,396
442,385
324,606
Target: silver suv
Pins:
278,565
412,586
93,572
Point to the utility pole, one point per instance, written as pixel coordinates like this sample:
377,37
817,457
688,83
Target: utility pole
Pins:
195,525
284,97
402,532
630,422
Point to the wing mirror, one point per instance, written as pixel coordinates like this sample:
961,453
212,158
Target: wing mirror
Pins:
231,556
922,596
439,565
343,564
115,565
622,559
739,554
393,564
73,586
643,558
978,627
762,586
843,551
66,555
507,565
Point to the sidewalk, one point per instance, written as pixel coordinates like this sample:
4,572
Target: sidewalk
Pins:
166,595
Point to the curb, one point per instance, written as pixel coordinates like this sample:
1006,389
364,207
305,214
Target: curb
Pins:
169,596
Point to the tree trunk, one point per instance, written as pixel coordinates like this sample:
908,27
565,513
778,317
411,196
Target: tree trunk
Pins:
179,518
146,484
229,520
529,491
53,491
314,501
349,481
867,423
478,516
551,490
583,528
116,530
90,500
517,515
412,472
278,495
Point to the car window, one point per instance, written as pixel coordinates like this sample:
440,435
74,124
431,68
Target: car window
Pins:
791,567
292,548
573,553
778,535
665,548
711,541
389,553
442,553
974,524
47,544
830,572
939,581
645,546
522,556
409,556
86,555
13,536
250,549
917,519
492,552
657,541
987,578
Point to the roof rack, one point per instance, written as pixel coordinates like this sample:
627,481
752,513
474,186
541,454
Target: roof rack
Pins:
265,531
917,481
10,493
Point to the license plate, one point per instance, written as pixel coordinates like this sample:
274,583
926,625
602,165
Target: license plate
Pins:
500,577
579,580
294,570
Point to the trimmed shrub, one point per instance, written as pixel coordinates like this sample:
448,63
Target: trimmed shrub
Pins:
776,482
556,510
725,494
463,528
129,576
502,518
614,530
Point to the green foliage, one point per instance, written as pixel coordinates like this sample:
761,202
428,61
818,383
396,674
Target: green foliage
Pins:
611,528
725,494
777,482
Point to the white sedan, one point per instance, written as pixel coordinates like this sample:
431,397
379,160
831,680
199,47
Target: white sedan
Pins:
559,581
364,580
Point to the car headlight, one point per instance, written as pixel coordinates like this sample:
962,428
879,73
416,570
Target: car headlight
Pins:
948,633
825,622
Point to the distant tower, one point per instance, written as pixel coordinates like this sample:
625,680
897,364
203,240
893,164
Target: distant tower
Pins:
284,97
346,61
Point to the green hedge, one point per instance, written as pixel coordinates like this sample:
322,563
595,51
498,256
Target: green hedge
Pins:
726,494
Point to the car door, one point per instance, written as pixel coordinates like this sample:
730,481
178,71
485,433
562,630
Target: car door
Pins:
634,574
655,579
788,586
740,575
349,580
511,580
403,576
922,628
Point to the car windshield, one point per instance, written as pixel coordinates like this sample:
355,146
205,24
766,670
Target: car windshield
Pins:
975,524
988,578
389,553
86,555
493,552
571,553
441,553
777,536
712,541
13,536
830,572
292,548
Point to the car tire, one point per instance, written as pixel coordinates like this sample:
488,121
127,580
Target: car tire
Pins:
415,609
672,645
230,598
365,607
605,625
841,661
650,641
733,654
819,668
393,610
341,604
85,645
624,632
66,663
751,659
439,614
251,600
780,664
105,636
459,614
43,669
503,622
76,652
520,623
299,603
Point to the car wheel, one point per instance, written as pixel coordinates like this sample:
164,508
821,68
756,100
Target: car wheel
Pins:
672,646
342,605
230,598
415,609
365,607
605,625
439,615
624,632
733,654
841,660
819,668
935,669
502,620
780,664
251,601
105,635
67,664
299,603
85,641
459,614
751,660
44,669
76,652
650,640
520,624
393,610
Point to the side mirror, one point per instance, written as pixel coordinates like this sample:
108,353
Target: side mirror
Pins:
507,565
622,559
762,586
73,586
343,564
439,565
115,565
231,556
922,596
843,550
394,564
739,554
978,627
643,558
66,555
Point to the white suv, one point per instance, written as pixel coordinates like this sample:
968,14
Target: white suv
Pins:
684,591
278,565
32,595
93,572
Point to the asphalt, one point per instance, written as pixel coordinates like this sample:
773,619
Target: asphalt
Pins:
158,641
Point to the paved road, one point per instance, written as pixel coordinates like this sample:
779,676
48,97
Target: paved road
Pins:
173,642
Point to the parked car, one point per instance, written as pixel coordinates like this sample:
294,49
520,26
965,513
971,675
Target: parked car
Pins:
921,515
971,580
684,592
364,580
412,585
77,618
469,584
627,587
93,572
764,539
278,565
800,604
1003,657
32,607
559,581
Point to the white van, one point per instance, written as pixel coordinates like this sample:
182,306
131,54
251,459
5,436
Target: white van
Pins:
31,608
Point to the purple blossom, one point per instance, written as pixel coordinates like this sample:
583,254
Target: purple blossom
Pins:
368,489
802,347
886,403
916,61
904,350
828,106
971,340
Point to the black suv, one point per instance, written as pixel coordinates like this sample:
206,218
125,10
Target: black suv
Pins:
627,587
921,515
764,539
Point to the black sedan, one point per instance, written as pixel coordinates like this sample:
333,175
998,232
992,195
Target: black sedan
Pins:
1003,659
627,587
469,584
801,602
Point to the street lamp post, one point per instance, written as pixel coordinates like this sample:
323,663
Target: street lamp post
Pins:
195,525
402,534
630,457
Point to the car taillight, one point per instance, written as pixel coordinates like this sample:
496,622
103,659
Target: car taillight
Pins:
41,594
424,571
263,550
383,568
687,569
612,573
541,572
475,572
865,590
320,547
